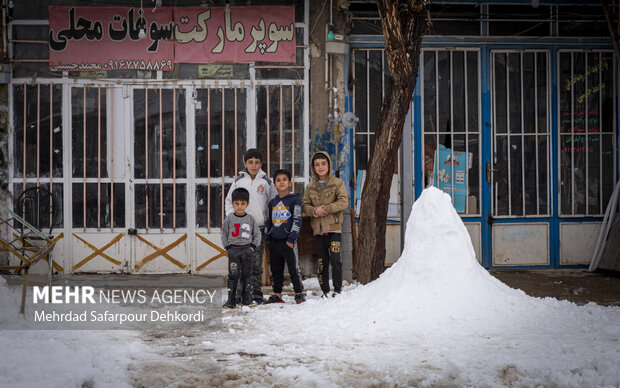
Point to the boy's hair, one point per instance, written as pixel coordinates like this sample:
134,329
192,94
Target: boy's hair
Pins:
240,194
252,153
282,172
319,155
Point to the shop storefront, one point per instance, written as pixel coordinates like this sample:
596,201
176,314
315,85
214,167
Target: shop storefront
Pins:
139,139
514,115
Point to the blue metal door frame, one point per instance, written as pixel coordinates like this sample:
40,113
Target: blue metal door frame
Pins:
486,45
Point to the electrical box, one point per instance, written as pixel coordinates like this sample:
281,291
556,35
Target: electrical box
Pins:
337,46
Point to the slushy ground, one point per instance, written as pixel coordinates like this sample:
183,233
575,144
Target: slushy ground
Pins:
436,318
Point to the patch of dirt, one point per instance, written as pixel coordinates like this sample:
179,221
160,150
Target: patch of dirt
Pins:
578,286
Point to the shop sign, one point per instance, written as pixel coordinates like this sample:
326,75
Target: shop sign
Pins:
108,38
234,34
126,38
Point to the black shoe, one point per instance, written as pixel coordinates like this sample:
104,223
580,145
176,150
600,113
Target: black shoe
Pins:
325,295
232,291
299,298
238,300
259,300
335,294
274,299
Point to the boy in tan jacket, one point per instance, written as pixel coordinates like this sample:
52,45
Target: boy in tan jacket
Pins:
324,199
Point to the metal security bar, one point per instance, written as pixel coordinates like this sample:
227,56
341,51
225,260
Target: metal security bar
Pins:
451,124
521,134
371,75
37,123
279,116
221,138
98,201
587,141
160,158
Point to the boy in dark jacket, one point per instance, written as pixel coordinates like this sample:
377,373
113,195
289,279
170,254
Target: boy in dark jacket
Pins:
281,230
240,237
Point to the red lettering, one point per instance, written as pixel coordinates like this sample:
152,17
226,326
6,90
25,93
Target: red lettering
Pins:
235,233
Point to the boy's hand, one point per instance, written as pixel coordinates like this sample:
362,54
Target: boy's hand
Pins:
290,244
320,211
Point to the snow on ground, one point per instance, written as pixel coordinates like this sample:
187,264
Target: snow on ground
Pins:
435,318
60,358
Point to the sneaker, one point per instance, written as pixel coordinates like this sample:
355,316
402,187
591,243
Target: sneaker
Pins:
274,299
229,305
259,300
299,298
335,294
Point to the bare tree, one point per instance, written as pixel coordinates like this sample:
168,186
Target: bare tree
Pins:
404,22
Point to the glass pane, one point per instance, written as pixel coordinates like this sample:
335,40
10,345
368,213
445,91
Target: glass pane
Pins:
566,151
299,133
516,177
361,91
429,92
608,168
607,93
36,207
500,176
235,137
89,122
582,21
430,145
519,20
541,77
472,91
514,90
458,94
202,138
445,124
501,113
594,168
160,211
473,199
375,79
529,94
216,132
543,184
361,152
38,133
530,183
98,196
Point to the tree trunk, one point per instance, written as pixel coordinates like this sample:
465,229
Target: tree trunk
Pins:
610,18
403,27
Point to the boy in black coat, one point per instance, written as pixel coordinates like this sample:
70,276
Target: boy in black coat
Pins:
282,227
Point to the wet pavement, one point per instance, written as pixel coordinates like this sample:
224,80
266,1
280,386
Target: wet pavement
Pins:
575,285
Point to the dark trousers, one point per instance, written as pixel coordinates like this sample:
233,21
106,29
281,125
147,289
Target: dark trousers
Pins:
328,250
240,262
279,254
257,269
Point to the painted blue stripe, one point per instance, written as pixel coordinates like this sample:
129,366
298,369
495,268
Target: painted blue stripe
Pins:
486,157
554,229
418,161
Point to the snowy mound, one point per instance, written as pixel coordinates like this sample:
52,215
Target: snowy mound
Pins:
437,275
